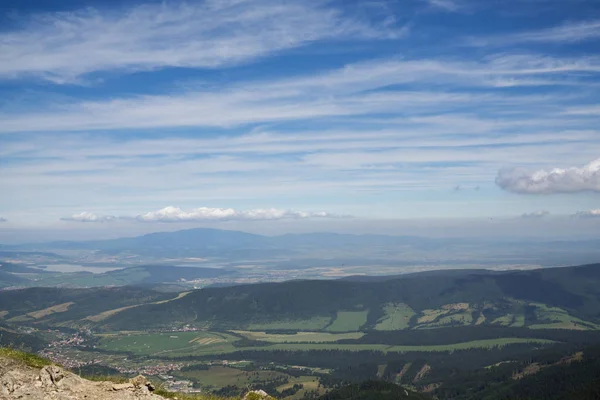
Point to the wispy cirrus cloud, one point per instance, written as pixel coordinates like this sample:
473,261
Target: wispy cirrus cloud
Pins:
556,180
390,121
567,33
176,214
570,32
583,110
203,34
445,5
356,89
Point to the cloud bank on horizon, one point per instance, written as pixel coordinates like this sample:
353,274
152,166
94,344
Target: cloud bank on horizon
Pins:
175,214
376,110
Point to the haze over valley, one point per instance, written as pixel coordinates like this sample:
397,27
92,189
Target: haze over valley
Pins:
300,200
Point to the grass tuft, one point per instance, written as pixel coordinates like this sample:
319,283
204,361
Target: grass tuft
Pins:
27,358
189,396
106,378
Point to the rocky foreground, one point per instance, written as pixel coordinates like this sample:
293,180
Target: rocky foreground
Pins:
50,382
19,381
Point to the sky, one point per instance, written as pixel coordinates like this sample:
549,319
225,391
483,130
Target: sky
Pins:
127,117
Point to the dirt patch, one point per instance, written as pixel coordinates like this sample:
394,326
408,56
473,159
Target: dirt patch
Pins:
456,306
109,313
105,314
179,296
431,387
421,374
403,371
528,370
50,310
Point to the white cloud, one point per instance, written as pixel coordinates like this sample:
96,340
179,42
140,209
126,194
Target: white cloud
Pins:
89,217
572,32
349,91
2,219
587,110
557,180
175,214
588,214
446,5
63,47
535,215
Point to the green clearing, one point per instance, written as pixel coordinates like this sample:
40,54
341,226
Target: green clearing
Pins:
170,342
461,318
430,316
505,320
348,321
519,321
480,319
557,318
300,337
309,383
312,324
560,325
448,315
397,317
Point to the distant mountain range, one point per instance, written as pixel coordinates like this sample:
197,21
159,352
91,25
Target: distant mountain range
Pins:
240,246
212,239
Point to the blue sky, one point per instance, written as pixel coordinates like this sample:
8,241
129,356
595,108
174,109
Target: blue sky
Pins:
119,113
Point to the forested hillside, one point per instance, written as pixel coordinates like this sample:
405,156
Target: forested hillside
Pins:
522,298
455,335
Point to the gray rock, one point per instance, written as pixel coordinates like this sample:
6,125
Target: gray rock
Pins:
18,381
